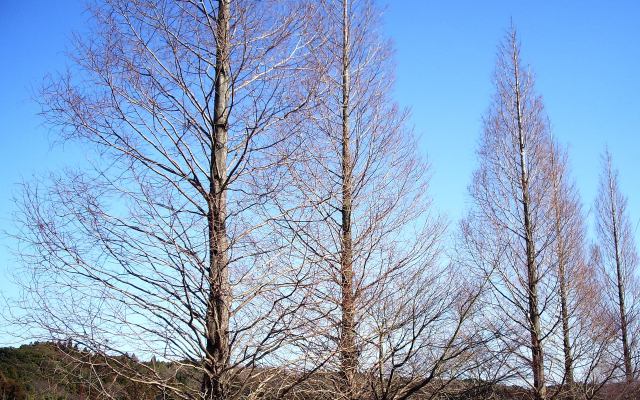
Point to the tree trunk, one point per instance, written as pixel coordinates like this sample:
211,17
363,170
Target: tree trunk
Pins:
628,370
566,343
347,346
218,306
562,260
537,356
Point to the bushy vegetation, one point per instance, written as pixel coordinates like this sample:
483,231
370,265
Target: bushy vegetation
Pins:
47,371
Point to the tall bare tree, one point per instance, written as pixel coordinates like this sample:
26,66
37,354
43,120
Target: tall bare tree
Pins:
509,229
618,260
388,318
158,248
585,338
569,247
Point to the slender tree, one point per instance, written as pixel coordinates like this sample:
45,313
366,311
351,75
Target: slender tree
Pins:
569,244
585,338
510,226
158,247
388,318
618,259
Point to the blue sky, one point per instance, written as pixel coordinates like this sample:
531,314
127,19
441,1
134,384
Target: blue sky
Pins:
585,55
33,37
586,59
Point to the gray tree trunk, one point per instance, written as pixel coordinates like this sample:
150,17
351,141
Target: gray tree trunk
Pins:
347,346
626,352
537,355
218,306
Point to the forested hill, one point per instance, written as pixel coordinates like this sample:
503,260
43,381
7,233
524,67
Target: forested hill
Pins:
42,371
27,370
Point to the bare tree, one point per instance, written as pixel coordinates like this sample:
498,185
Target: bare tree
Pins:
585,337
387,316
618,261
509,229
158,248
569,246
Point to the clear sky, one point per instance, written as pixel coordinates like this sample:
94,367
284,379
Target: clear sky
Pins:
586,56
